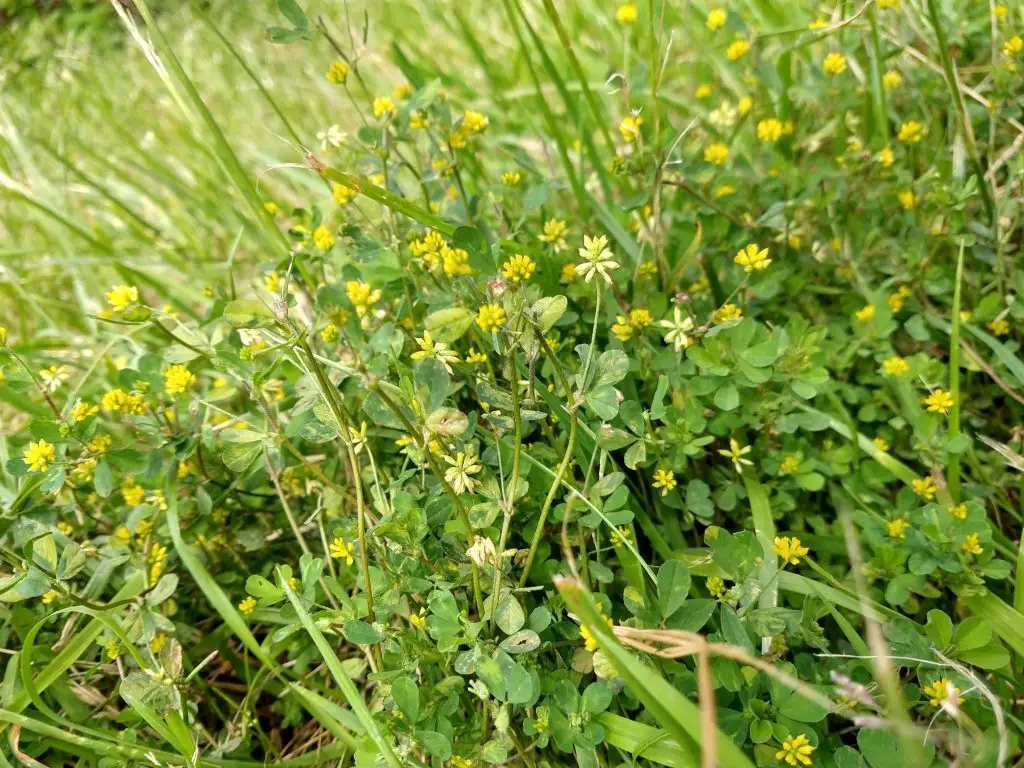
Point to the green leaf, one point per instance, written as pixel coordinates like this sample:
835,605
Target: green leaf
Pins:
291,11
673,587
548,310
238,457
727,398
245,313
604,402
361,633
510,616
407,697
612,367
973,632
436,744
449,325
939,628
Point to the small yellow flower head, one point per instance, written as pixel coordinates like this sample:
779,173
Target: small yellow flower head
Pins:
337,73
887,4
725,190
323,238
100,444
959,511
796,750
474,122
419,620
271,207
818,23
554,234
272,282
113,649
519,267
329,333
119,401
38,455
971,545
939,401
630,127
942,690
475,356
834,64
157,643
1013,46
626,14
717,153
789,549
881,444
620,536
703,91
589,640
999,327
48,597
885,158
736,49
911,132
178,379
83,410
647,270
436,349
455,261
726,313
343,195
664,480
769,130
925,488
65,527
908,199
716,19
511,178
715,587
403,91
383,107
622,328
736,453
897,528
418,121
3,337
362,295
342,550
490,317
85,469
891,80
121,297
896,367
753,258
789,465
745,105
865,313
248,606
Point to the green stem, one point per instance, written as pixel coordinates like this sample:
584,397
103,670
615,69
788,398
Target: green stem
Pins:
513,482
953,469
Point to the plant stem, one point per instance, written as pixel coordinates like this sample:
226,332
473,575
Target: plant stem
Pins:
510,500
953,469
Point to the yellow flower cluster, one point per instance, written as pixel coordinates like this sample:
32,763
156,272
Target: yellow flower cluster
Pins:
455,261
589,640
753,258
38,455
519,268
625,327
473,123
121,297
362,295
789,549
337,73
119,401
428,248
178,379
664,480
343,195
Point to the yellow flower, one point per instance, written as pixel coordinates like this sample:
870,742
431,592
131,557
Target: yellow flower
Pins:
725,190
885,158
908,199
248,606
716,19
178,379
568,273
865,313
959,511
971,545
1001,11
895,366
402,91
418,121
966,315
999,327
886,4
881,444
664,480
455,261
435,349
796,751
753,258
117,400
726,313
736,453
622,328
745,104
769,130
83,410
647,270
892,80
474,356
121,297
383,107
630,127
475,122
942,690
519,267
100,443
640,318
626,13
554,234
896,300
342,550
789,549
48,597
925,488
620,536
419,620
511,178
897,528
329,333
85,469
490,317
717,153
323,238
343,195
818,23
589,640
911,132
1013,46
939,401
790,465
38,455
65,527
337,73
362,295
736,49
157,643
703,91
834,64
113,649
715,586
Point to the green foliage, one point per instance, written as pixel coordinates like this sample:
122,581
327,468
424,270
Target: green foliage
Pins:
571,386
